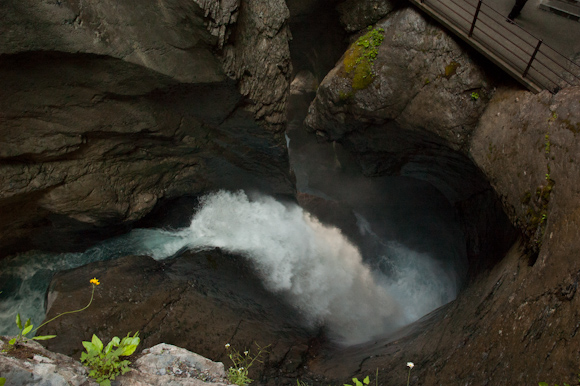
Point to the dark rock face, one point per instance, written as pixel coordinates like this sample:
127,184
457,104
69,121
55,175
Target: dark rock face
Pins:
198,301
526,145
422,81
168,37
356,15
87,149
415,118
506,151
112,108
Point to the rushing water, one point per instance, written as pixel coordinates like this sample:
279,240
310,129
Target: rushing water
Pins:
313,266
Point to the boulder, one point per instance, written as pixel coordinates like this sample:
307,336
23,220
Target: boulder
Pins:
198,301
29,363
421,80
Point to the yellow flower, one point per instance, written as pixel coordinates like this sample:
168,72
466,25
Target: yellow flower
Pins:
95,281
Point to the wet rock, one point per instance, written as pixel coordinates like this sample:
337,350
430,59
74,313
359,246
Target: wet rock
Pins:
413,114
259,58
420,80
304,82
526,145
168,37
108,112
92,144
356,15
515,322
198,301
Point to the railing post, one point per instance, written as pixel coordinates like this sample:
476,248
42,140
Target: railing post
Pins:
475,18
532,58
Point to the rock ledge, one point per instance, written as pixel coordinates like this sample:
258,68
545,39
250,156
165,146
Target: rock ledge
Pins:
163,364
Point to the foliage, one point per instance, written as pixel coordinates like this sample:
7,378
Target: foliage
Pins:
238,373
104,363
474,96
28,326
360,57
24,330
451,69
546,384
2,381
365,381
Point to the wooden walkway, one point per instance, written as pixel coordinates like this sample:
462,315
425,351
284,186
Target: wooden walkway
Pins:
526,58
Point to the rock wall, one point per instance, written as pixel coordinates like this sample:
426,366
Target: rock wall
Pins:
500,150
110,108
413,114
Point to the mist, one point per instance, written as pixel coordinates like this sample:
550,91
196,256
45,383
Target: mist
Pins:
314,267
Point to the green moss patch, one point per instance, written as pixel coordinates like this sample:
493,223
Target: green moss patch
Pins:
451,69
358,60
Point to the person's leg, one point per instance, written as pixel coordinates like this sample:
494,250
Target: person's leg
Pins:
516,9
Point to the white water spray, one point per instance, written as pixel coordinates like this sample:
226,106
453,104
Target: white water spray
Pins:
313,266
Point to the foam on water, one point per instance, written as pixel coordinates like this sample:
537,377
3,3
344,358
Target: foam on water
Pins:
313,266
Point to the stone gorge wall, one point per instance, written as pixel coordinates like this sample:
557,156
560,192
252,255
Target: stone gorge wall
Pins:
516,322
108,108
416,118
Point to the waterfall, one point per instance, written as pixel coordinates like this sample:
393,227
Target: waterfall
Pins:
310,265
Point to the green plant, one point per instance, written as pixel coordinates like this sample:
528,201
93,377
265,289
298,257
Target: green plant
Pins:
451,69
104,363
547,143
365,381
28,326
546,384
238,373
474,96
2,381
24,330
360,57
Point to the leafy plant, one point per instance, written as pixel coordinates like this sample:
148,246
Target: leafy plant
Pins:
365,381
104,363
28,326
24,330
546,384
238,373
2,381
474,96
360,58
